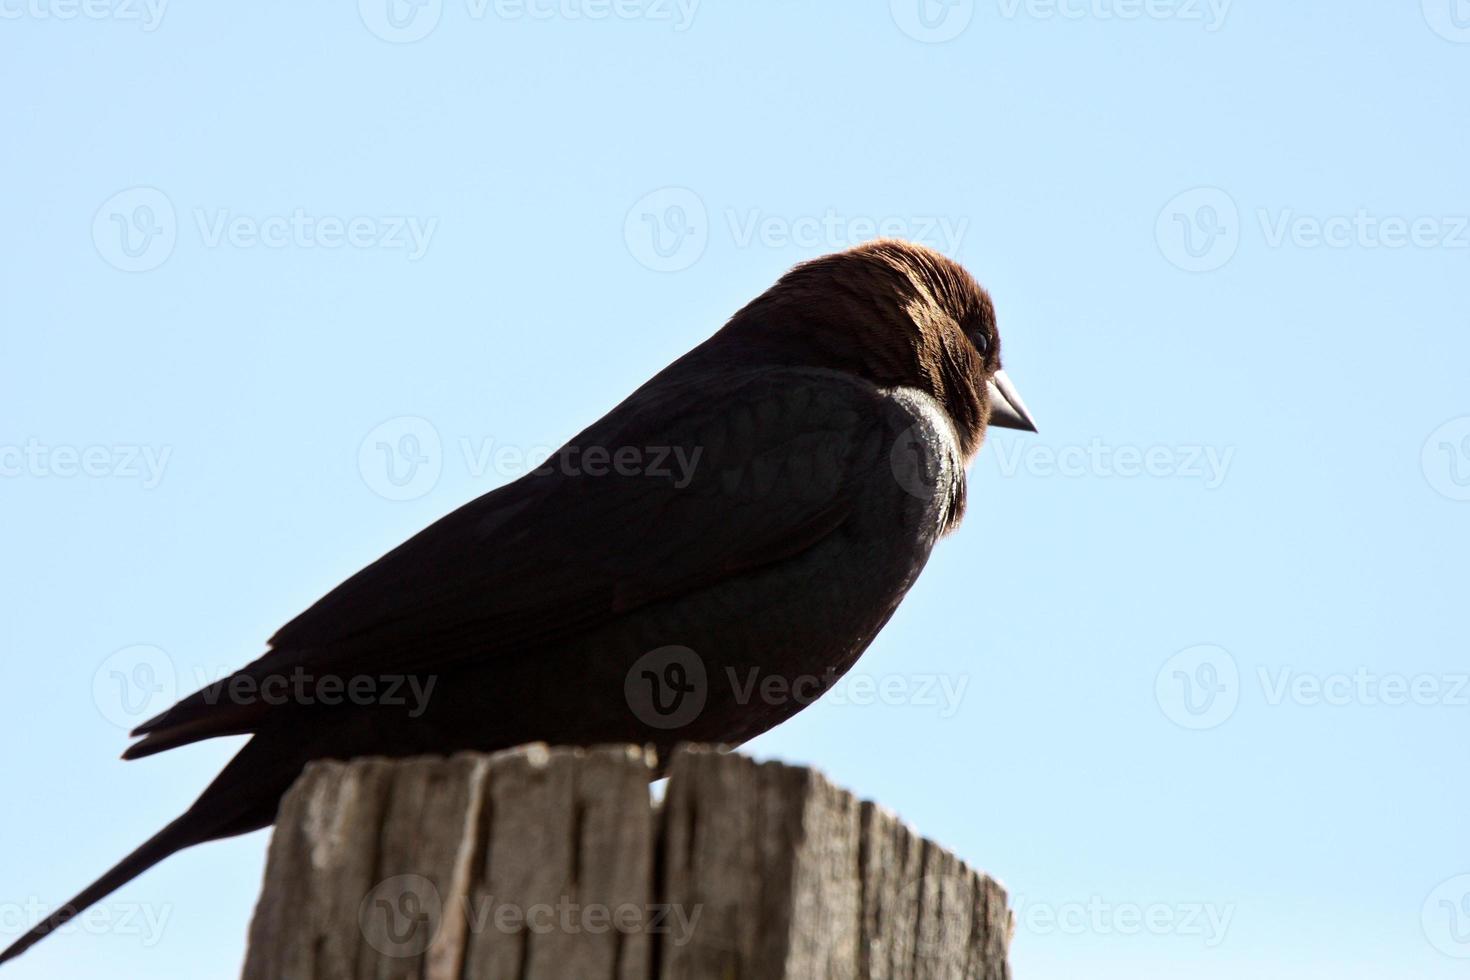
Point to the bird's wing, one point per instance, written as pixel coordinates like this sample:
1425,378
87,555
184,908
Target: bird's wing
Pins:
685,484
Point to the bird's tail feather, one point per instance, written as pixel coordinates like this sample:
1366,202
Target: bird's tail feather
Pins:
219,812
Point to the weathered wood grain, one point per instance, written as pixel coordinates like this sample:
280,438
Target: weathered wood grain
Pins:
544,864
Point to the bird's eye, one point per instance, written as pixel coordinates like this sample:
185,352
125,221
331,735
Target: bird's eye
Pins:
981,342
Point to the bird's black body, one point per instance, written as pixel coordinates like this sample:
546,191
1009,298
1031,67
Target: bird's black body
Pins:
586,603
817,553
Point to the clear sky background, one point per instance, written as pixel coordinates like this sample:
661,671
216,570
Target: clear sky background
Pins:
1203,637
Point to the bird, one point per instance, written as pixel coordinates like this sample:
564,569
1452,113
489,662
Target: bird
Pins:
756,510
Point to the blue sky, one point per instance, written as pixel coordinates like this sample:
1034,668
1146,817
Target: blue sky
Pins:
1191,678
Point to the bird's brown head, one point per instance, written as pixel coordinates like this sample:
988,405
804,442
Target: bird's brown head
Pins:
897,314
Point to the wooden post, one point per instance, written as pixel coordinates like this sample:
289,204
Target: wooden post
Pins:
554,864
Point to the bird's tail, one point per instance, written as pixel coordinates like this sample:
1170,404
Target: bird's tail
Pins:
219,812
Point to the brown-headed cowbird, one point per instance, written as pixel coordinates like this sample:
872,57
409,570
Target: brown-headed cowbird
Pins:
757,510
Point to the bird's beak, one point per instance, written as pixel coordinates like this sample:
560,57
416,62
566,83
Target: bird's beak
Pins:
1006,408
